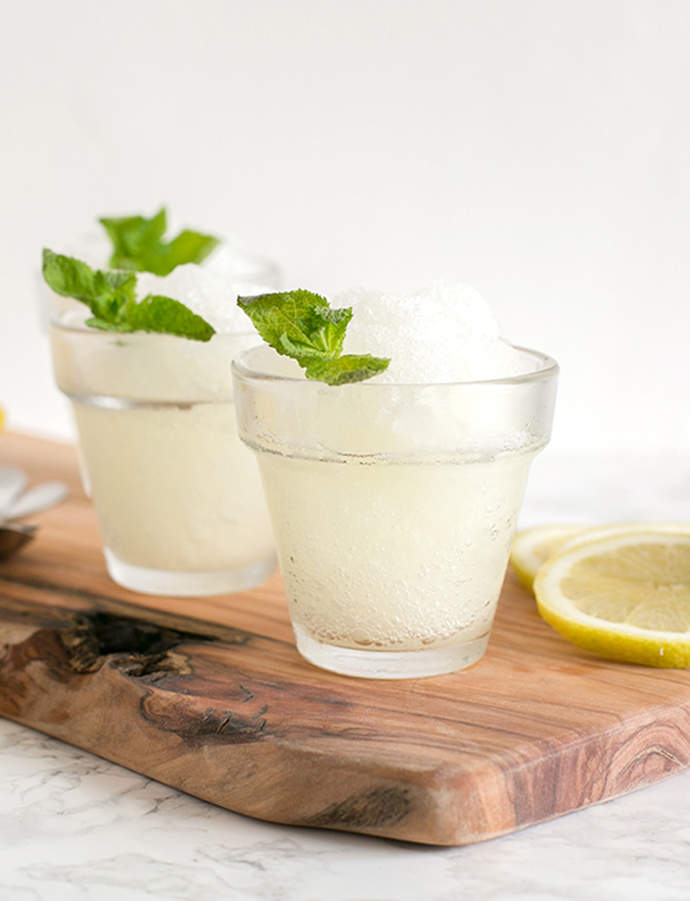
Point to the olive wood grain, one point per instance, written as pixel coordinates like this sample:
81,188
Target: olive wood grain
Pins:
211,697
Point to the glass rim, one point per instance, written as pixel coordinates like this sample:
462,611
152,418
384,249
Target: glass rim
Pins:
548,369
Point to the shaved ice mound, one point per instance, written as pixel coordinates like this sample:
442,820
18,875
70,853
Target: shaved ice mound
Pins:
211,289
441,334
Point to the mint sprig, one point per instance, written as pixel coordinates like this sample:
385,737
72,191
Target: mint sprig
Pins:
111,297
138,244
302,325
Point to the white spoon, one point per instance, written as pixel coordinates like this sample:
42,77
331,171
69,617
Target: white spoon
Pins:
12,482
40,497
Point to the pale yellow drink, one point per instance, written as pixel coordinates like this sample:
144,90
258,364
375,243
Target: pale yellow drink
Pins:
444,530
178,497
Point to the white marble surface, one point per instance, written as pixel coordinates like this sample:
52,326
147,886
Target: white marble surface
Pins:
73,826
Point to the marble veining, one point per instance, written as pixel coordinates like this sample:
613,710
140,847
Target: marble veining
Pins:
73,826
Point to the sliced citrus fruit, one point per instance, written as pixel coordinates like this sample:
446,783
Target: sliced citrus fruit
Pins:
625,596
533,547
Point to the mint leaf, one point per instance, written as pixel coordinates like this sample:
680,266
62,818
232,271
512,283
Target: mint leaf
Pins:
72,278
106,326
138,244
104,292
131,235
156,313
302,325
298,320
111,297
69,277
348,368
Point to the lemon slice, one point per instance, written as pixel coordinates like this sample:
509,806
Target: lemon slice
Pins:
625,596
533,547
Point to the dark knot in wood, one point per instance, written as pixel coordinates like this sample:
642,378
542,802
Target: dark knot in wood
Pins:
137,648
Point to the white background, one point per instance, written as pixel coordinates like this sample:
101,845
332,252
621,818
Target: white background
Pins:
537,149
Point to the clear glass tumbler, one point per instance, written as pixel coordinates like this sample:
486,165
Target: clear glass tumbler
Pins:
177,495
393,507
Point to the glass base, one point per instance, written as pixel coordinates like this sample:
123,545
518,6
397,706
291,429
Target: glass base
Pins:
391,664
186,584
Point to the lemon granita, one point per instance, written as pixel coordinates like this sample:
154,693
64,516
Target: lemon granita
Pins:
147,369
393,489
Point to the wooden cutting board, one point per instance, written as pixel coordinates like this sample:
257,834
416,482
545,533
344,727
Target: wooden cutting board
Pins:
211,697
